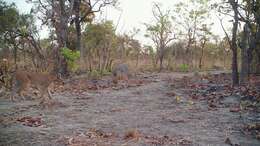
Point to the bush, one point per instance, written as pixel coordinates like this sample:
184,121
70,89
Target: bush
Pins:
184,67
105,72
71,58
94,74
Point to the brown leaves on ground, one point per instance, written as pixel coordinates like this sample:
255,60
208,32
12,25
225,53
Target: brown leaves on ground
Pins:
82,85
255,126
118,109
92,137
31,121
211,88
131,137
215,87
235,109
171,94
254,80
216,90
132,134
253,129
136,82
166,140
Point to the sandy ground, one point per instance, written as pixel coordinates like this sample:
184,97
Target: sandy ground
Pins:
146,108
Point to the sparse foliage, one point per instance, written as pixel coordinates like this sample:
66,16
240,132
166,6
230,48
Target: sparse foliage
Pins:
160,32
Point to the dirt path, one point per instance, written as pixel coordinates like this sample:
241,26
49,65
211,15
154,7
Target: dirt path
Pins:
146,108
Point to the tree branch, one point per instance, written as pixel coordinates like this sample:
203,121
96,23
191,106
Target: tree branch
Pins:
226,34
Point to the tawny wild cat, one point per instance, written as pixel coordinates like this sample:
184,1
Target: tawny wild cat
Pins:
22,80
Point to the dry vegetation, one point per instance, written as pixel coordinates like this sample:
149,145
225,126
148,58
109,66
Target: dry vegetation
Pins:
106,88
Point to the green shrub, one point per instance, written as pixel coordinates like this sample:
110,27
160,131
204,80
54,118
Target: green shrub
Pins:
105,72
71,58
184,67
94,74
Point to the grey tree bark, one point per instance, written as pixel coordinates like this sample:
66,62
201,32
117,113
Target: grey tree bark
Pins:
244,56
233,47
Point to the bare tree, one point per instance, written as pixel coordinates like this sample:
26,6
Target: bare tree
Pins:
160,32
233,40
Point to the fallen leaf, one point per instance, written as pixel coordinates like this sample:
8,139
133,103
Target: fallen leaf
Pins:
235,109
132,134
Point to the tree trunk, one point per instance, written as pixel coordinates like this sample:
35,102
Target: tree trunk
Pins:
137,59
15,55
90,61
224,61
61,28
188,48
161,56
258,61
202,53
77,24
62,63
104,59
244,56
63,24
256,45
108,60
161,64
235,78
78,33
